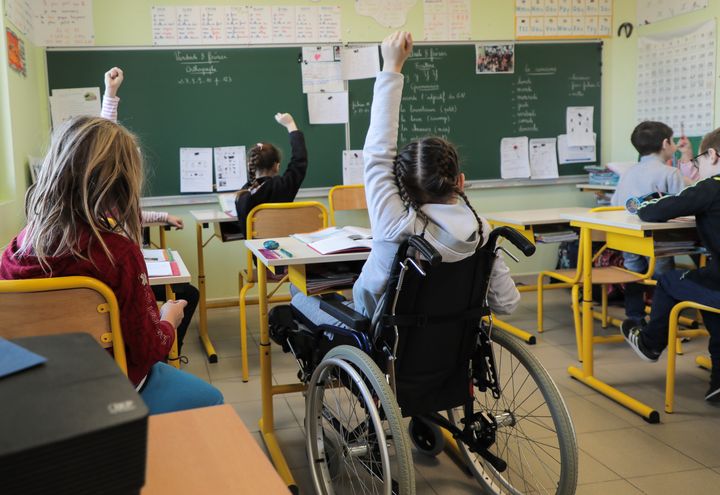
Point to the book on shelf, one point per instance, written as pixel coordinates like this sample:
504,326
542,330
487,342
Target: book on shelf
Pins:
337,239
551,237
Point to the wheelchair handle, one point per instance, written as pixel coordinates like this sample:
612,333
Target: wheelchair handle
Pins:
426,249
516,238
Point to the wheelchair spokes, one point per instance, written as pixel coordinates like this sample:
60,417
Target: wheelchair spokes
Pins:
532,431
355,444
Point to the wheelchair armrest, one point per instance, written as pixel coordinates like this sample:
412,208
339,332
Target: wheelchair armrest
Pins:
351,318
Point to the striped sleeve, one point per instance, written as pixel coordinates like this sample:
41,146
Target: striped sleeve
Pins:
154,216
110,107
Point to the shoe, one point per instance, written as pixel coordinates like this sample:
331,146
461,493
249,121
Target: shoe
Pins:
713,393
280,323
633,335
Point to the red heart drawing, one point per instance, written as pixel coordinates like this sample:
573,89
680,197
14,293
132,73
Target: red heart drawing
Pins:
317,56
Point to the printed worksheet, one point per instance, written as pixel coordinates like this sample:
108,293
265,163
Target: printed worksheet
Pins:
446,20
543,159
230,168
353,167
514,158
649,11
328,108
321,71
63,23
579,125
68,103
196,170
360,62
574,154
387,13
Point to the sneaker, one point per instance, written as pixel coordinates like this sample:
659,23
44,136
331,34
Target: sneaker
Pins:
713,393
633,335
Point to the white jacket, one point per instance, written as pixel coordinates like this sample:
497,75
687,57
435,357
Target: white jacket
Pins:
453,230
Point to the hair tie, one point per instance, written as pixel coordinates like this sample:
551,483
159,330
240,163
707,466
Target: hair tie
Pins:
259,145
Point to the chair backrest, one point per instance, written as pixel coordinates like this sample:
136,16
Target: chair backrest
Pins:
49,306
437,316
341,198
270,220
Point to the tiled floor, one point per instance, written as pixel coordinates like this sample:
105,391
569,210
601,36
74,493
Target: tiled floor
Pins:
619,452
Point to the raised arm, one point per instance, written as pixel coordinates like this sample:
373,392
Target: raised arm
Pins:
389,216
113,80
294,175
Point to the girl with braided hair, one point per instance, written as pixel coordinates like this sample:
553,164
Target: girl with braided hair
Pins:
265,184
418,190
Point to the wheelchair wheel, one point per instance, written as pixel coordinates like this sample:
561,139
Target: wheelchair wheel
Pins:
534,434
426,437
355,439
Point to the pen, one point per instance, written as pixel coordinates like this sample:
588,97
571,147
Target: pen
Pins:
286,253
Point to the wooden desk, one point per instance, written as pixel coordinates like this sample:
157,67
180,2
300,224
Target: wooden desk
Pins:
203,218
302,256
207,450
529,223
624,232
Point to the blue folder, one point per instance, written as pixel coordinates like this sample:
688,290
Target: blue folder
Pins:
14,358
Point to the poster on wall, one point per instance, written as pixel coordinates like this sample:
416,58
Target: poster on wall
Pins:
676,78
16,53
649,11
494,58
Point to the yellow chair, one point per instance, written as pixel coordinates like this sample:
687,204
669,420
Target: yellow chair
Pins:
674,336
342,198
47,306
603,276
271,220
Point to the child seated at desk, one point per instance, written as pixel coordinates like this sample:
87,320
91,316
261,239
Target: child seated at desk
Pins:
701,285
654,142
418,190
93,171
187,292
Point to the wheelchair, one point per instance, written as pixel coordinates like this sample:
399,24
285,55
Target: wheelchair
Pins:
431,355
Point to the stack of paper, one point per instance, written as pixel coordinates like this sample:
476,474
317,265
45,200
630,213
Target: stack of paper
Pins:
329,280
550,237
670,248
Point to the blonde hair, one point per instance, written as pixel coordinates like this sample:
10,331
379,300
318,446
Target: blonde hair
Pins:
91,178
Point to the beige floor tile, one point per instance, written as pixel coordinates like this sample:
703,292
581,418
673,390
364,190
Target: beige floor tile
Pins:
444,475
235,390
588,418
704,481
251,411
697,439
292,444
630,452
590,470
617,487
303,480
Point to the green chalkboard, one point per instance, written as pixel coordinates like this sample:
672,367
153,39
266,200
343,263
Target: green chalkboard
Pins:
205,98
444,96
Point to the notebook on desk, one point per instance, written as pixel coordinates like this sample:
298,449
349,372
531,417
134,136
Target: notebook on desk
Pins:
338,240
160,263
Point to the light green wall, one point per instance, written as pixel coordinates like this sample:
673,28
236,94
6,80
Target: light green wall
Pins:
128,24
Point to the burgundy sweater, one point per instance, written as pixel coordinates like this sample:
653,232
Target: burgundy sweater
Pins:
147,338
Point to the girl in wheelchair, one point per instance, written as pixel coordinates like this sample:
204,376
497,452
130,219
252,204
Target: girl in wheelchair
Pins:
418,190
419,342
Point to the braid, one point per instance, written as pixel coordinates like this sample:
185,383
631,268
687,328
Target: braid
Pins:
400,172
253,166
477,217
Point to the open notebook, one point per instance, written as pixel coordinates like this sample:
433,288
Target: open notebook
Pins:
338,239
160,263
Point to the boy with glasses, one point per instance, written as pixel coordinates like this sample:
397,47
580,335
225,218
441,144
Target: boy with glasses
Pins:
702,285
654,142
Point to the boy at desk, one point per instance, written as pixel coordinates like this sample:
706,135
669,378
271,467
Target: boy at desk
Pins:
702,285
654,142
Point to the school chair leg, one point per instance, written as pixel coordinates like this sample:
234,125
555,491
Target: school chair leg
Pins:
673,342
243,331
704,362
540,303
604,308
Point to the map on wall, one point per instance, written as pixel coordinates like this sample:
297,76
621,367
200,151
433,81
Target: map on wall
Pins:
563,18
649,11
676,79
387,13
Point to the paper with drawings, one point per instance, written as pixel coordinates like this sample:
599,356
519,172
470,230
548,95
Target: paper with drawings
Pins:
575,154
360,62
320,71
543,159
579,124
196,170
20,13
328,108
514,158
388,13
230,168
353,167
69,103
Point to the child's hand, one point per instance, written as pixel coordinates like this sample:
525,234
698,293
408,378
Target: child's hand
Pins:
685,147
689,171
286,120
173,311
113,80
396,48
176,222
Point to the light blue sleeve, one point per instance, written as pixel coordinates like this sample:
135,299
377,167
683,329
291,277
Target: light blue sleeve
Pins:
389,218
675,183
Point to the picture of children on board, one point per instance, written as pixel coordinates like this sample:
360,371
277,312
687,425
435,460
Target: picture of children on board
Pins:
495,59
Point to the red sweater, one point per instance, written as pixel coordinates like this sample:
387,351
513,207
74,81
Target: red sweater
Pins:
147,338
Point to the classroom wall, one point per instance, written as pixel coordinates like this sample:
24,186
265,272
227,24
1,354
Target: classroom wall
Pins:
128,24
